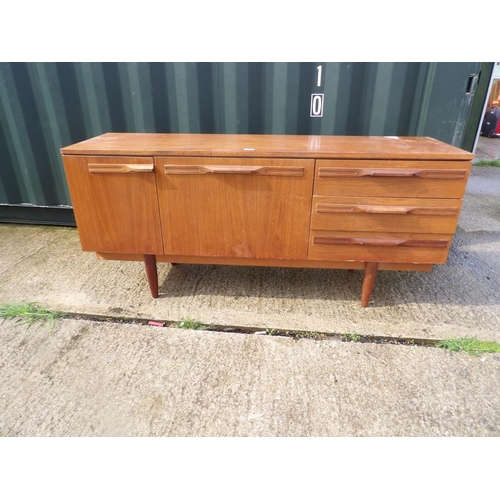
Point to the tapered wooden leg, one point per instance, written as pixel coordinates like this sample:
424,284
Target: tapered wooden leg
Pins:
368,282
150,261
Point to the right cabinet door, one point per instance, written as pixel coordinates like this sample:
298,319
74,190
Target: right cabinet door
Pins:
234,207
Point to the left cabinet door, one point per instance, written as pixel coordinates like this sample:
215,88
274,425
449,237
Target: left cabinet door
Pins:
115,203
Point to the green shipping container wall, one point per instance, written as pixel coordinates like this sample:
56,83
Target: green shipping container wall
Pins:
45,106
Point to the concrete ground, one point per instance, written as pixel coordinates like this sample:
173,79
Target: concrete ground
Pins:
89,378
487,148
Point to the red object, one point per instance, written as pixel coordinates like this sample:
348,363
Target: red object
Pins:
491,123
155,323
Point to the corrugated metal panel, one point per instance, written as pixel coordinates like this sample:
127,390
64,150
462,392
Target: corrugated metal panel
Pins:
360,98
44,106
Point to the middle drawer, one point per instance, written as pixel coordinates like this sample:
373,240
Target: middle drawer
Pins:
412,215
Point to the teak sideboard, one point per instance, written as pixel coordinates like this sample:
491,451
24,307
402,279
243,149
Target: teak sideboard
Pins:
372,203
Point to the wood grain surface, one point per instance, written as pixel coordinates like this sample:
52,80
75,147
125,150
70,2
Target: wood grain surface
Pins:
114,211
432,180
235,214
413,215
379,247
274,146
239,261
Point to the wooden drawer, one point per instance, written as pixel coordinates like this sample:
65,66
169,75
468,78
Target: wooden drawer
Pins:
235,207
412,215
391,178
379,247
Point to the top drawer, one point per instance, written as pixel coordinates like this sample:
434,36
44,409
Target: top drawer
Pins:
391,178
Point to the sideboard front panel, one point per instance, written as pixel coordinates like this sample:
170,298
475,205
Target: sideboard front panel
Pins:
115,203
235,207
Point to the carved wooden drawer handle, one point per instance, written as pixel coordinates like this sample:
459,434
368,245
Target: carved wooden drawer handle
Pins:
391,172
327,208
230,169
119,168
384,242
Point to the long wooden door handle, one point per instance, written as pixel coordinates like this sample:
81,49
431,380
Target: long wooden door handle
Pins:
119,168
233,169
448,174
325,208
384,242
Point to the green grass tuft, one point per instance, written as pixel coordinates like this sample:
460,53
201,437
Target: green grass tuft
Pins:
351,337
309,335
486,163
470,346
189,324
28,313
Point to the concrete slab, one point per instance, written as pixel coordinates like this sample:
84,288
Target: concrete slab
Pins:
102,379
487,148
461,298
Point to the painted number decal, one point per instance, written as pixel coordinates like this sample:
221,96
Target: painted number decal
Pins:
320,71
317,100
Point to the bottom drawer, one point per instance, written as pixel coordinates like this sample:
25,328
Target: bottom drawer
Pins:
379,247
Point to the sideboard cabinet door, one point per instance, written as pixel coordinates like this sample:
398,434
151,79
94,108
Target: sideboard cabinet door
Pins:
235,207
115,203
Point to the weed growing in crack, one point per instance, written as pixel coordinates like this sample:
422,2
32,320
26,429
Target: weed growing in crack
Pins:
351,337
189,324
469,345
309,335
29,313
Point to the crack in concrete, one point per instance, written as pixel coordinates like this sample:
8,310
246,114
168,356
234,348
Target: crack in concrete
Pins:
245,330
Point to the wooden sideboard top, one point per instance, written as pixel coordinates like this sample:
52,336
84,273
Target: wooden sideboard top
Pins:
283,146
